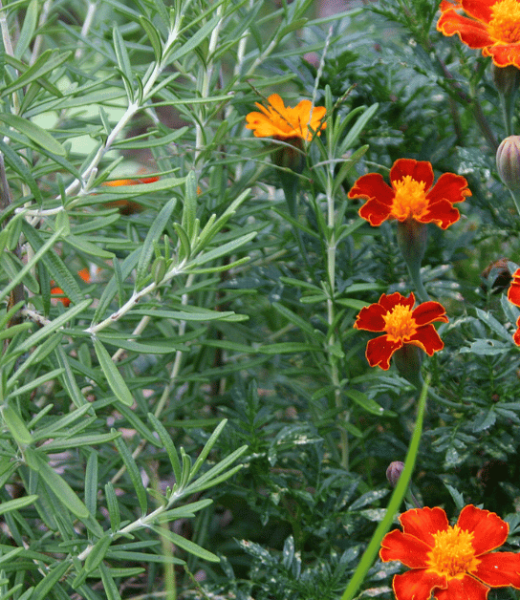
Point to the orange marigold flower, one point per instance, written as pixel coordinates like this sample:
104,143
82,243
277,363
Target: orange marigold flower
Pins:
394,314
452,562
283,122
411,195
57,291
492,26
127,207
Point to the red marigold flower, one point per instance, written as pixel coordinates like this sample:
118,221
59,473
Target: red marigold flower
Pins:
283,122
492,26
394,314
452,562
411,195
513,295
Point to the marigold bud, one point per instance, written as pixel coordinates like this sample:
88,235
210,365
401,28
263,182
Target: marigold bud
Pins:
394,472
506,79
508,162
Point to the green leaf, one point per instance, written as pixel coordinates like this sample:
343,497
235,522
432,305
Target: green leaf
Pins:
189,214
153,36
365,402
123,62
133,472
192,42
228,248
91,479
113,376
50,581
109,584
113,507
34,132
97,554
87,247
288,348
153,235
46,62
166,440
185,544
357,128
18,166
61,489
17,504
16,426
54,264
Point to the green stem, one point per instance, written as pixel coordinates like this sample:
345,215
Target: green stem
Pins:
415,276
393,506
516,200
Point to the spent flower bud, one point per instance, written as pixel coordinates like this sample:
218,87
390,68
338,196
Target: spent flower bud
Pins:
508,162
394,472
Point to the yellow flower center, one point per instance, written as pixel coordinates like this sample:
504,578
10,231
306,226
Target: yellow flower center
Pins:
410,199
399,323
453,554
504,26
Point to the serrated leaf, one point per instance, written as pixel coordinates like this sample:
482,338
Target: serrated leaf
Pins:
113,376
484,420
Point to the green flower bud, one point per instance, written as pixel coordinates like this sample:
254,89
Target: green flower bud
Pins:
506,79
508,162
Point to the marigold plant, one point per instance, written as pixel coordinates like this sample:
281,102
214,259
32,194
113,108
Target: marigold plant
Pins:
394,314
452,562
411,195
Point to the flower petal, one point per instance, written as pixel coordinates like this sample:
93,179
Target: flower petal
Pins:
513,293
379,351
405,548
428,339
422,523
441,213
429,312
418,170
466,588
516,336
489,530
370,318
417,584
499,569
451,187
370,186
473,33
504,55
479,9
390,301
375,212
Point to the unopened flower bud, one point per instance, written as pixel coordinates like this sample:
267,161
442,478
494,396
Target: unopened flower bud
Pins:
394,472
508,162
506,79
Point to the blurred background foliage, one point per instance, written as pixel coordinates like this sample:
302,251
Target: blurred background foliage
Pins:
206,304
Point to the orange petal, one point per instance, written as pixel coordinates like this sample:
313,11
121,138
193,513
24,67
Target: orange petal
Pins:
390,301
373,186
489,530
370,318
516,336
499,569
429,312
418,170
466,588
504,55
380,350
407,549
479,9
57,291
417,585
427,339
451,187
442,213
423,522
473,33
513,293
